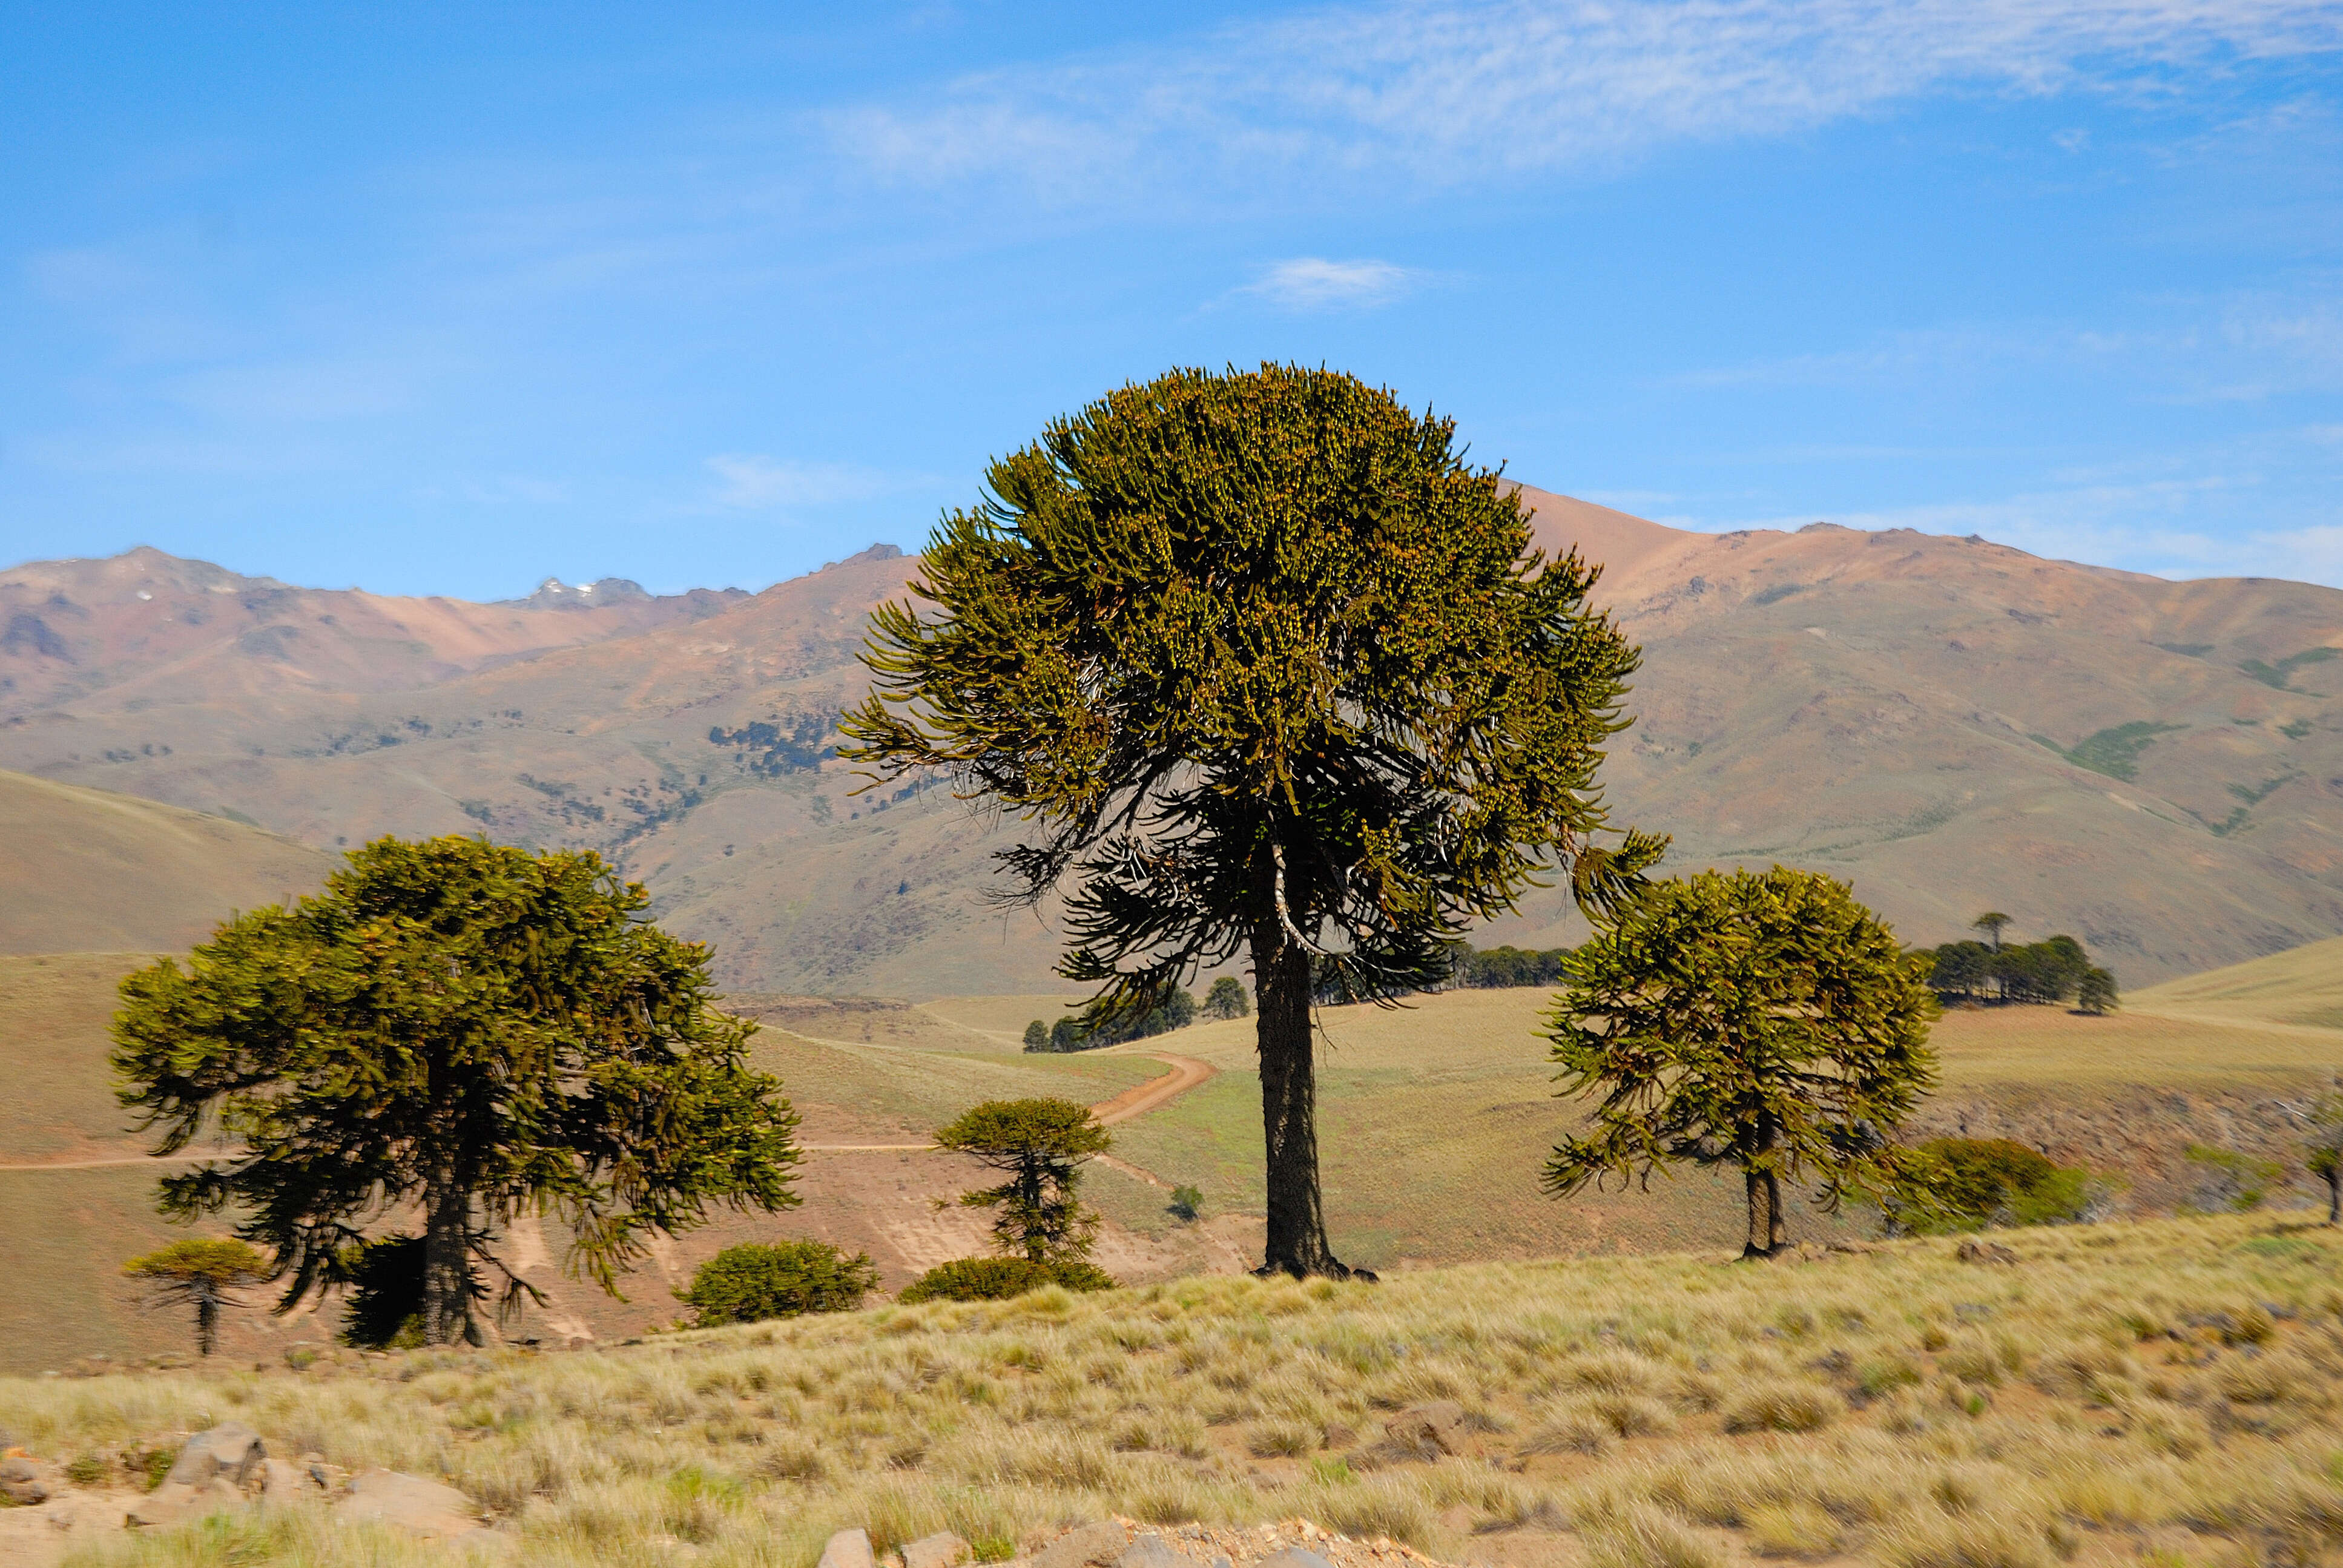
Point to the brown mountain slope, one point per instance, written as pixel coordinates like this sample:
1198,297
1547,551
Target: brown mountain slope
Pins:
87,870
2154,767
143,629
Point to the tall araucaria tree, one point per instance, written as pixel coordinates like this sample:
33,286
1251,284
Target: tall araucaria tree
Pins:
1270,671
1761,1020
463,1028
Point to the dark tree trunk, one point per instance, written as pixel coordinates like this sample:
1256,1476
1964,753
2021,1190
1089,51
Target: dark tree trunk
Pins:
1289,1108
447,1268
207,1305
1768,1231
2334,1195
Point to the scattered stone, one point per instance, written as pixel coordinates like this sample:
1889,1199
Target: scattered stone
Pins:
1975,1252
281,1481
1151,1551
409,1503
1433,1427
848,1549
941,1549
1086,1546
21,1482
1294,1557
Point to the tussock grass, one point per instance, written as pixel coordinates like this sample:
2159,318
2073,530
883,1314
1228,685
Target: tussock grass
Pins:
2134,1384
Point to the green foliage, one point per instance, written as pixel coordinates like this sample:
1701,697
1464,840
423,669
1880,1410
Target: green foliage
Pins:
2295,730
199,1273
1040,1145
999,1279
384,1308
1037,1036
463,1027
1992,923
1102,1027
88,1470
2095,992
2281,674
1227,999
2227,1180
1762,1020
1494,967
2051,970
2114,752
1968,1184
749,1283
1186,1202
1257,647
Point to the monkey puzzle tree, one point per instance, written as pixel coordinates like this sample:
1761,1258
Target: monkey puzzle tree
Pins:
1040,1145
1762,1020
1270,669
1991,923
468,1029
199,1273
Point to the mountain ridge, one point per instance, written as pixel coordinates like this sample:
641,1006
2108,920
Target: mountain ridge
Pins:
1951,724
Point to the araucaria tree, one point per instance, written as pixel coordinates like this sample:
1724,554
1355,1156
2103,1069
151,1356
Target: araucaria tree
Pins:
462,1028
1270,671
1766,1021
201,1272
2323,1152
1040,1145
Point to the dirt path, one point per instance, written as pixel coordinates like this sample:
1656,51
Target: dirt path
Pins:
1186,1073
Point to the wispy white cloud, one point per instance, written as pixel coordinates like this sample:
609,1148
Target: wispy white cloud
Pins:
1455,94
750,481
1313,283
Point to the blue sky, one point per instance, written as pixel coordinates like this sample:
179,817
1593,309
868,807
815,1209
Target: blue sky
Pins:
433,299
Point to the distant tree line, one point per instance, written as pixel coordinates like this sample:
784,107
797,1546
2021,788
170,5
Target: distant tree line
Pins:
2056,969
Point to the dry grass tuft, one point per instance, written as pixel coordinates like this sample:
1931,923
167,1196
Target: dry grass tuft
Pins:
2123,1384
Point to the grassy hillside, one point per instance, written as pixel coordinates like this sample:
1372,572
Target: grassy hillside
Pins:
1434,1121
2169,1392
2302,987
88,870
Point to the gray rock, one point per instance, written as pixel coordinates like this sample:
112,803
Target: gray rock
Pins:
21,1482
941,1549
1084,1546
409,1503
230,1451
1294,1557
848,1549
1151,1551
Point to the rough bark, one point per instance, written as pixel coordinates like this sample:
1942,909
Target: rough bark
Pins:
447,1272
2335,1194
207,1306
1769,1232
1289,1108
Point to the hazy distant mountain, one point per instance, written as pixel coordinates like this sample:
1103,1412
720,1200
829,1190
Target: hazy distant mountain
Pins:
2156,767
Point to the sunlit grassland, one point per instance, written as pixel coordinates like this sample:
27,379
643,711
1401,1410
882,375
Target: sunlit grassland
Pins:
2302,986
2165,1392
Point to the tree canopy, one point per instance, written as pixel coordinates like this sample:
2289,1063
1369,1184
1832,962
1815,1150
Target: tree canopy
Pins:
201,1272
1763,1021
1040,1145
1268,669
468,1028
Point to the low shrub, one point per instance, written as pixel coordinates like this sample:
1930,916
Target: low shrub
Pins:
1968,1184
999,1279
746,1283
